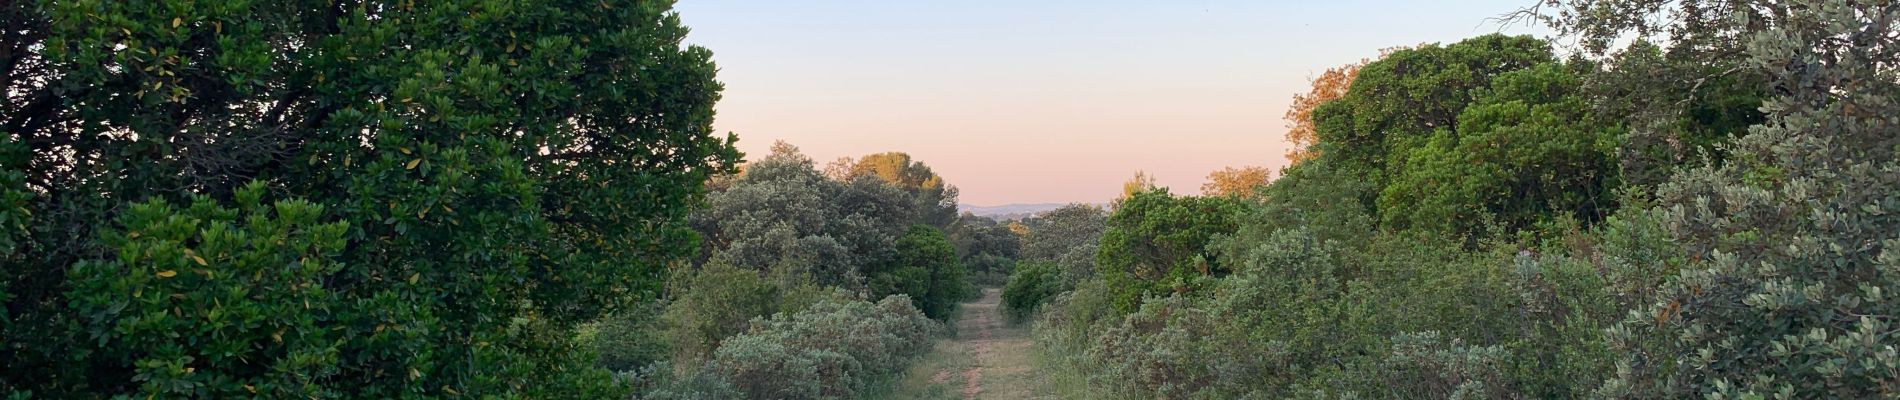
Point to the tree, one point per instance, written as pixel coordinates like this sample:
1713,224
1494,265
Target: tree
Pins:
926,269
1525,151
1396,102
500,172
1157,243
1055,233
780,216
1142,182
986,248
1242,182
936,200
1301,132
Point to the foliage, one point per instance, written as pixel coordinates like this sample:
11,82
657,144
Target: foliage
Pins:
1243,182
475,179
1033,283
1409,95
1301,131
628,340
161,307
837,348
1055,233
1493,251
1141,182
986,248
1789,268
1525,150
716,302
926,269
936,201
1155,243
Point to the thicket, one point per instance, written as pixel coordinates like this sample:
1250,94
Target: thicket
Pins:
1709,218
776,305
355,199
836,348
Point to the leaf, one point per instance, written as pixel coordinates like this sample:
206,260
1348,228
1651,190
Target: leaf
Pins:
176,21
414,277
167,273
405,150
412,164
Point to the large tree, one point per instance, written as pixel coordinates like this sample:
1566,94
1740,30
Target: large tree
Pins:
363,199
936,199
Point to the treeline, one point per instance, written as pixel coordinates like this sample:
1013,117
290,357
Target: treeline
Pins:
783,299
1710,218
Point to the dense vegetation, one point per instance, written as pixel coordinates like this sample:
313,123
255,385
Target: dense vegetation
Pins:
465,198
783,301
355,199
1481,219
525,199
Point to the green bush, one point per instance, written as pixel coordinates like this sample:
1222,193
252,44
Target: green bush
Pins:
837,348
927,272
1032,284
627,340
1156,243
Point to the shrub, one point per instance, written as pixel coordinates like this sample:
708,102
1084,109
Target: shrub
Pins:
1032,284
1156,243
837,348
926,271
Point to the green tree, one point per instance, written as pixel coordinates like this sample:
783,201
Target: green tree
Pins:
1068,236
1156,242
500,172
1525,151
987,248
926,269
1397,102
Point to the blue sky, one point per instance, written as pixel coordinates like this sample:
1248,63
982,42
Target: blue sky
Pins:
1048,101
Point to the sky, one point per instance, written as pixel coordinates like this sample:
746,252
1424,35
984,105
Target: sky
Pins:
1047,101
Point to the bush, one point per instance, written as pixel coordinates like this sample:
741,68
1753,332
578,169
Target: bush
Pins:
926,271
627,340
1032,284
1156,243
837,348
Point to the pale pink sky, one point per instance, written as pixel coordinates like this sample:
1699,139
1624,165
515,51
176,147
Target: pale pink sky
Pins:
1047,102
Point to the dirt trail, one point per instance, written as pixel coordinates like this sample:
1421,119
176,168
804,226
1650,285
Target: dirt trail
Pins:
987,359
979,321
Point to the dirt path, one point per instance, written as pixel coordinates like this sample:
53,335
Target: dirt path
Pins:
988,359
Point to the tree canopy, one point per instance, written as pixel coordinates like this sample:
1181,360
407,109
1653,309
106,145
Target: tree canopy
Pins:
340,199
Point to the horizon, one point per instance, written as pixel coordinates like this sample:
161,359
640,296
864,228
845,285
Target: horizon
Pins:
1046,103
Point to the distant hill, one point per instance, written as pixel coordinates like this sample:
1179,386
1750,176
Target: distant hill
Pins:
1008,212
